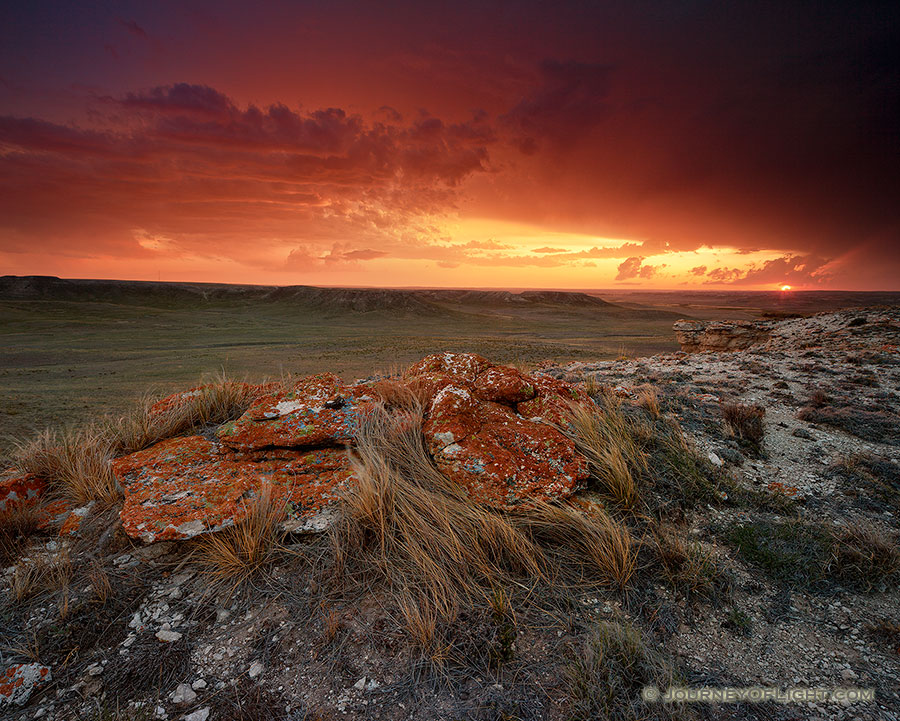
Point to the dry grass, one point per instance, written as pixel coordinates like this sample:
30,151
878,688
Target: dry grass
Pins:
410,526
76,460
101,587
648,399
606,437
745,423
685,565
240,551
610,668
45,574
863,556
16,524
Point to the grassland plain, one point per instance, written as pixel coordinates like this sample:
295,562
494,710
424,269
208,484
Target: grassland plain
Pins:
73,350
67,360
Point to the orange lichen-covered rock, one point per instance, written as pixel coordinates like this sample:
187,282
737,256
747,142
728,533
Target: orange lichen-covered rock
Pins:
63,516
183,487
500,384
18,682
461,367
19,490
552,401
319,410
500,458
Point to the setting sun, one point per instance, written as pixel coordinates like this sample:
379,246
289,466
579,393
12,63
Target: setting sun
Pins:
785,287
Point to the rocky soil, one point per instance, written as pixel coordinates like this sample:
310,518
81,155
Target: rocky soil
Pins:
145,634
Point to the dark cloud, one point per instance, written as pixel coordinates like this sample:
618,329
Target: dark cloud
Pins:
569,101
132,27
698,270
187,160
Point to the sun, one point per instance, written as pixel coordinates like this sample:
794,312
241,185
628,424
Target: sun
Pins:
785,287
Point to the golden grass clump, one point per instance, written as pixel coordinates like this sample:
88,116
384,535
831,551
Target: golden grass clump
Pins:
607,438
648,399
76,460
409,525
239,551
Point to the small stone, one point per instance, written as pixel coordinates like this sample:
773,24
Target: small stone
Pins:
168,636
183,694
199,715
848,674
361,684
95,669
256,668
198,684
715,460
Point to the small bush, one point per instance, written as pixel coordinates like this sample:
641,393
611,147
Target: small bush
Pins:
745,423
609,671
863,557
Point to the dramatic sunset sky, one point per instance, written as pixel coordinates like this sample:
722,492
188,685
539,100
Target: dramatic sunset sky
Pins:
517,144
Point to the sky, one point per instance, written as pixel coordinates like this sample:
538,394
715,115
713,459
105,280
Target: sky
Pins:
635,144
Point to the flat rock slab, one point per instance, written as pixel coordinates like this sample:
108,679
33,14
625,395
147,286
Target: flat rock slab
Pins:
18,682
317,411
182,487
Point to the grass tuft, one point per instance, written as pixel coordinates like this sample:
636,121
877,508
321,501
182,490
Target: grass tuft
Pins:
408,525
606,437
242,550
76,460
609,671
745,423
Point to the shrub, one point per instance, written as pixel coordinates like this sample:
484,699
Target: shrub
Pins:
609,671
745,422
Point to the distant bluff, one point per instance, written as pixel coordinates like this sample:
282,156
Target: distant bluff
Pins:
361,300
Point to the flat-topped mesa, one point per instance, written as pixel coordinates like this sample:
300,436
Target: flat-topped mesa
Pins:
721,335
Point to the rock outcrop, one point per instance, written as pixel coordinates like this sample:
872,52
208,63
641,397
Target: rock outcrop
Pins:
491,429
697,335
19,490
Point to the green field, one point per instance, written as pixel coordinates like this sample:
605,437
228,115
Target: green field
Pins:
67,361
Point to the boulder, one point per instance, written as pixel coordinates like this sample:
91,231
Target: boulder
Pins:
182,487
697,335
317,411
500,458
18,682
